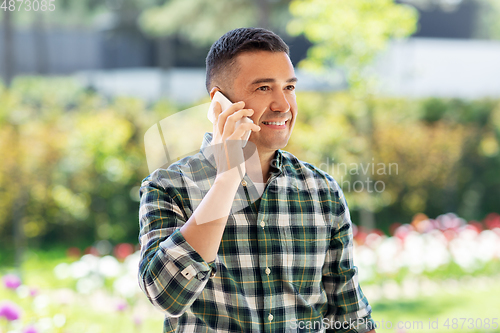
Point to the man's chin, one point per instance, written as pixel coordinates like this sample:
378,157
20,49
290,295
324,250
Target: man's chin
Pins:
274,146
271,144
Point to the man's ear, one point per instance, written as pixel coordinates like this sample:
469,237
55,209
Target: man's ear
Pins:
213,91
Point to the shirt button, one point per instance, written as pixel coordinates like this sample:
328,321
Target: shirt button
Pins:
262,224
270,317
268,271
244,182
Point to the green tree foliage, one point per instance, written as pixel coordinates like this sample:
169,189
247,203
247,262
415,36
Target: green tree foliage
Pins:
349,34
488,22
74,160
432,155
204,21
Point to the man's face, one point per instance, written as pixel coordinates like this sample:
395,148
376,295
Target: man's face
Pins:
265,81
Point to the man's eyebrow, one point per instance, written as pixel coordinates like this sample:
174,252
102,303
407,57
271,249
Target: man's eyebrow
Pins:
271,80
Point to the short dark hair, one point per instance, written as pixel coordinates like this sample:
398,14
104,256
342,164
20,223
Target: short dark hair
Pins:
222,55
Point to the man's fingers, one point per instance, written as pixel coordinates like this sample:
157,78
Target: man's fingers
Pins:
232,119
240,131
228,112
239,114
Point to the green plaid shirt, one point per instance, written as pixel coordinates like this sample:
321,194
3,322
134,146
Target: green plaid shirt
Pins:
284,262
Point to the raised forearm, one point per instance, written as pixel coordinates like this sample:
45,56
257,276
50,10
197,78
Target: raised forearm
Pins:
204,229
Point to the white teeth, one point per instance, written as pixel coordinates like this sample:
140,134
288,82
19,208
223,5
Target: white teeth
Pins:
274,123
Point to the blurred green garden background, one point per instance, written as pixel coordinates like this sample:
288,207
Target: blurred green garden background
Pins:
427,242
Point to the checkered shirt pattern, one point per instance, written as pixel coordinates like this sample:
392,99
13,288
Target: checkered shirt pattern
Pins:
285,258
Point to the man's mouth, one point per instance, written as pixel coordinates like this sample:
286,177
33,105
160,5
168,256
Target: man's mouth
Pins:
276,123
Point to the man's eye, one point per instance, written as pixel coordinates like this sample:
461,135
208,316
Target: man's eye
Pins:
263,88
290,87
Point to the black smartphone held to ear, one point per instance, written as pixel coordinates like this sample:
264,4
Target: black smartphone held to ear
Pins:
225,103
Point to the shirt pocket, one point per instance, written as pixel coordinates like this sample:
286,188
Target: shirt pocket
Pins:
307,237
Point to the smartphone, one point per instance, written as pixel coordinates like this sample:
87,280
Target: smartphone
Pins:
225,103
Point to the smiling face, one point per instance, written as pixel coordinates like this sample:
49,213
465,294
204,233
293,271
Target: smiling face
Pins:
265,81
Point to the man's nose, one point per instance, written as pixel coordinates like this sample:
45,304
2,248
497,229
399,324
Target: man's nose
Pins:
280,103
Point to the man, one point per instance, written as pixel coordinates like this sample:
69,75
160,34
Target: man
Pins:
220,254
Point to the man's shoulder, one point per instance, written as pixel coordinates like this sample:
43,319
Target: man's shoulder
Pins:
311,178
301,168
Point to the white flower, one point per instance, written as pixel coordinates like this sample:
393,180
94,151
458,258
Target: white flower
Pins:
488,245
59,320
387,254
108,266
126,286
88,284
62,271
79,269
41,302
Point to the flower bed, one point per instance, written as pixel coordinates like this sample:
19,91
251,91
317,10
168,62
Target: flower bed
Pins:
98,291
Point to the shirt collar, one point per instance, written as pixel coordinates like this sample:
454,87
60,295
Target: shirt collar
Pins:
276,162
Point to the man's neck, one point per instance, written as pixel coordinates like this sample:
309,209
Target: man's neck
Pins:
255,171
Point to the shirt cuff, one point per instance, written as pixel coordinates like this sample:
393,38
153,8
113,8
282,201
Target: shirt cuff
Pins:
186,259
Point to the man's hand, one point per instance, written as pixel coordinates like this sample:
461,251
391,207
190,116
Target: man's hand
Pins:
227,139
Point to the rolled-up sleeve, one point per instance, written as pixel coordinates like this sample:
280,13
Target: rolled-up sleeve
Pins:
171,273
348,308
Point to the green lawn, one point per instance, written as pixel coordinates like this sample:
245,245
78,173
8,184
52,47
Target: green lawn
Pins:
474,301
92,313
